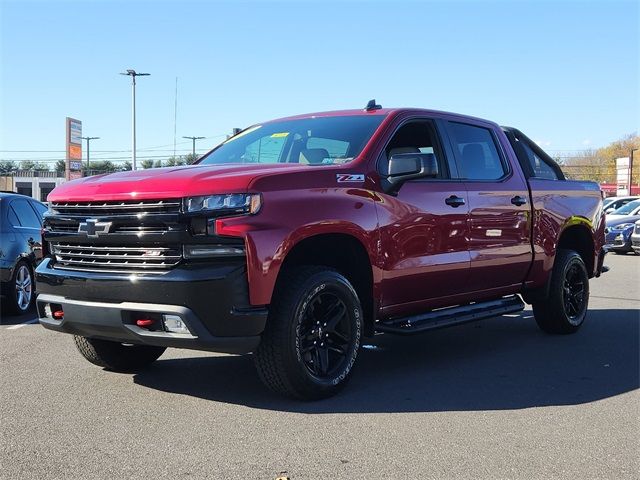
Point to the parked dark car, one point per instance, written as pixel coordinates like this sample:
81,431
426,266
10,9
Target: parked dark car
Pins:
20,250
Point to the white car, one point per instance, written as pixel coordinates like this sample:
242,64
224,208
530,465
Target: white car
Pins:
613,203
635,238
629,210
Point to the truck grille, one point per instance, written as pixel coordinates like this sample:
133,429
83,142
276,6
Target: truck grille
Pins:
130,217
637,228
136,236
70,225
128,207
118,259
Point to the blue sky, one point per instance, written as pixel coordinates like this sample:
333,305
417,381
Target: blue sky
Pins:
566,73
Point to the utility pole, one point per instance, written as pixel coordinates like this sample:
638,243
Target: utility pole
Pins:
88,139
133,74
631,169
194,144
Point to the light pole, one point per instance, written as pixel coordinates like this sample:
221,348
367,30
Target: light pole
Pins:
88,139
133,74
194,144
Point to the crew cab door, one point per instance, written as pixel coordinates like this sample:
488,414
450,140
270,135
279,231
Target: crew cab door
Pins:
499,210
423,227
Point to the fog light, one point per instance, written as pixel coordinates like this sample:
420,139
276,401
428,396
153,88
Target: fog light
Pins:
174,324
204,251
47,311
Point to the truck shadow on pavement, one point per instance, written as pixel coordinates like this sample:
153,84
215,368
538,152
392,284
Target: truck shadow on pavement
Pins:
499,364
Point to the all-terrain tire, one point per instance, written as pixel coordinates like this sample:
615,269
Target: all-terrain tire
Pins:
115,356
300,356
565,309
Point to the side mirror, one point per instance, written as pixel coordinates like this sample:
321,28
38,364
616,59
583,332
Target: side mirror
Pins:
408,166
609,210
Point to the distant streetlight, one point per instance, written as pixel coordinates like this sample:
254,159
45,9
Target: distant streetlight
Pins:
88,139
194,143
133,74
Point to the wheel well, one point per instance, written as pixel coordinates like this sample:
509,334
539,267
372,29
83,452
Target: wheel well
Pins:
579,238
344,253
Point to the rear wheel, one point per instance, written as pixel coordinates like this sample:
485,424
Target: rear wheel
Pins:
117,356
565,308
312,336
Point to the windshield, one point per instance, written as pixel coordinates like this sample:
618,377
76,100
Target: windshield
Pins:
628,209
307,141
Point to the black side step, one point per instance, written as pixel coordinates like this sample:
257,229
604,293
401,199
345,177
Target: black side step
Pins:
446,317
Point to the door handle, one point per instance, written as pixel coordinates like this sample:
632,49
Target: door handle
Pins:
518,200
454,201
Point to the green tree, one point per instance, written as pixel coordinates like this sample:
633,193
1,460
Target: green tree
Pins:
190,158
175,161
32,165
102,166
146,164
7,166
60,166
124,166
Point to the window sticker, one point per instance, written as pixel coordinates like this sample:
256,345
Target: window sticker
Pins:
279,135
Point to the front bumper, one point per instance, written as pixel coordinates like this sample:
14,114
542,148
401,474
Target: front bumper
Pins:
211,298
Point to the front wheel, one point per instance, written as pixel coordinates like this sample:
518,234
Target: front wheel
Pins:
117,356
565,309
21,292
312,336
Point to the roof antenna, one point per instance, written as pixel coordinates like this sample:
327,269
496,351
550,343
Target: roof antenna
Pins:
372,105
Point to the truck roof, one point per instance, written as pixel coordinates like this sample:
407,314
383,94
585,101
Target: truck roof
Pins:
380,111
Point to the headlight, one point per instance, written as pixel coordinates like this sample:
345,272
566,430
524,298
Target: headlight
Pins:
246,203
622,226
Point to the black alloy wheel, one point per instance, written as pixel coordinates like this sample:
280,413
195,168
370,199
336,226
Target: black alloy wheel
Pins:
565,308
574,293
325,335
313,332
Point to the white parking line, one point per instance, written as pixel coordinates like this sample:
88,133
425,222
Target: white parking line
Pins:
20,325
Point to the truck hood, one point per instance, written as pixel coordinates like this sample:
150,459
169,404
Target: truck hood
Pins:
169,182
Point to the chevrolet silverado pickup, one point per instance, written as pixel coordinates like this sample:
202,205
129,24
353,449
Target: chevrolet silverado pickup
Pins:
296,238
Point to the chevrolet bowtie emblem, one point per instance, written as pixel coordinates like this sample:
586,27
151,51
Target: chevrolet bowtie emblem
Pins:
93,228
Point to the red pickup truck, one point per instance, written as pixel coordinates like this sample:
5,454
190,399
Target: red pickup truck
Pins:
296,238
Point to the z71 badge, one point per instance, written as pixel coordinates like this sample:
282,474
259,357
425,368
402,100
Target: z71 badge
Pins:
349,177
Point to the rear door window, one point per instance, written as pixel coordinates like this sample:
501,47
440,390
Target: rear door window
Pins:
477,152
539,167
25,214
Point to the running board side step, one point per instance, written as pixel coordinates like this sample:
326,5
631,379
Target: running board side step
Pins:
447,317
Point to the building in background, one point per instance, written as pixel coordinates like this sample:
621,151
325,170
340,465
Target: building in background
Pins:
35,184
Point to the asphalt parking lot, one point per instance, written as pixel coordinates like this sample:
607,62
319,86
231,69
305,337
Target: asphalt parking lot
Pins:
496,399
